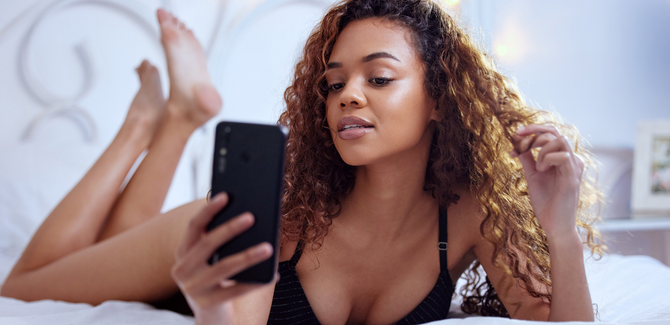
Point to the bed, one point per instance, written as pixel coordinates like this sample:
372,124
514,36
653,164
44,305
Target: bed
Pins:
624,289
63,101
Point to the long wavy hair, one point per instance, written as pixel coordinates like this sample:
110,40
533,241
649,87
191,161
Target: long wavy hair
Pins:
480,110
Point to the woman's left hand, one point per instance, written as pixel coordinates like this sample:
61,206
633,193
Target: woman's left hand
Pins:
553,180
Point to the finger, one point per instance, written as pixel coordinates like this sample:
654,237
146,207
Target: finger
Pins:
528,163
533,141
196,227
218,276
542,140
554,146
236,263
536,128
208,243
561,160
523,143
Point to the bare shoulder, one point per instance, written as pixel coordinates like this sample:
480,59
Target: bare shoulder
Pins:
465,217
286,251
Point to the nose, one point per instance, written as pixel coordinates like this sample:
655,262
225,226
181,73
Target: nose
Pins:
352,95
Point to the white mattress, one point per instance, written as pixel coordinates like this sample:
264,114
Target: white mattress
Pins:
626,289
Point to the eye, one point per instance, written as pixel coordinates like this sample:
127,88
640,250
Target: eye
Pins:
380,81
336,86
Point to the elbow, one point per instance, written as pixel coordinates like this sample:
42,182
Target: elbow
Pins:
581,317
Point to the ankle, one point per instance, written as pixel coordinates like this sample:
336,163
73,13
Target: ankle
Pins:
178,123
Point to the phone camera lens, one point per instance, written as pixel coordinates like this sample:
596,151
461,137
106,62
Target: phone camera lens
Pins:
227,129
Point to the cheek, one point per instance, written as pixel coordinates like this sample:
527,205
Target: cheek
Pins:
408,114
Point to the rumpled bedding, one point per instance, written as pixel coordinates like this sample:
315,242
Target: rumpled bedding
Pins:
624,289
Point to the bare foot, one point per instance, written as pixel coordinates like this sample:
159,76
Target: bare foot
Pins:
192,96
147,109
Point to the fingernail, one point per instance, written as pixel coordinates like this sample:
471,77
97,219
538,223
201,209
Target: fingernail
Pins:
218,198
520,129
246,219
263,249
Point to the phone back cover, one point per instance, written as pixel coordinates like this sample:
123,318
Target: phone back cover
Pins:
250,170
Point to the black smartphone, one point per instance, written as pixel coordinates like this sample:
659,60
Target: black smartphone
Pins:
249,167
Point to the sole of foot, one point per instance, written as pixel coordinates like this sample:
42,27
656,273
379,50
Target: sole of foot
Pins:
148,107
193,98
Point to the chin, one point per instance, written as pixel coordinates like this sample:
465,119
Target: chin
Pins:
356,156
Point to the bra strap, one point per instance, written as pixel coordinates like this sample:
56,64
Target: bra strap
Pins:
443,244
296,255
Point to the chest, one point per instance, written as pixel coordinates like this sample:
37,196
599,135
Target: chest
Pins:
371,287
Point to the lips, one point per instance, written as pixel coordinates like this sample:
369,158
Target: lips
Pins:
352,127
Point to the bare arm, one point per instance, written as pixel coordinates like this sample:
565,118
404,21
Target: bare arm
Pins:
553,185
571,298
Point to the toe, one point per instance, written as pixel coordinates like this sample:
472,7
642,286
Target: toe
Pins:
162,15
140,70
168,31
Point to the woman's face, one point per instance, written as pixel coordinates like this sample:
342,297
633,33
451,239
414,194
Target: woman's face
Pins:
377,105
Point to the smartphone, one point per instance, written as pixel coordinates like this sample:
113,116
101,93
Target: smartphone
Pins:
249,167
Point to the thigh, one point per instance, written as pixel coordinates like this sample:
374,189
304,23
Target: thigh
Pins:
134,265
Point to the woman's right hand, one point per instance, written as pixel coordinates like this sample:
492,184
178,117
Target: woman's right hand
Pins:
207,288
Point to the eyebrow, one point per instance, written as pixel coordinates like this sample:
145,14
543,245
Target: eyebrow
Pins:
368,58
379,55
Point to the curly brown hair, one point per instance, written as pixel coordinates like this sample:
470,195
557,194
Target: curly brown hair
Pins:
480,110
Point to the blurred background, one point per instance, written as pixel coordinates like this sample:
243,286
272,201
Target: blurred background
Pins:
67,78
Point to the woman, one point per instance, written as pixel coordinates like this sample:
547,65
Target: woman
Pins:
409,158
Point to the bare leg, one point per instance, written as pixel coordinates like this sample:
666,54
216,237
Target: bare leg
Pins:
135,264
193,100
76,221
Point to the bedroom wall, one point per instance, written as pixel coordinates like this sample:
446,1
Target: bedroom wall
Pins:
601,64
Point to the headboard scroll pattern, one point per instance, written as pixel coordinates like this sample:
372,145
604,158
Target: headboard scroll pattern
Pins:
60,106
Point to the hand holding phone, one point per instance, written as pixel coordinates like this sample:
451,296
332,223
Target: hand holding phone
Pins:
203,285
249,167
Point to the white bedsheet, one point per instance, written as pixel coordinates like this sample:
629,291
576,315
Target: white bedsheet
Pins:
627,289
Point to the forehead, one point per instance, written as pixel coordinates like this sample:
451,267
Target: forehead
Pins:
363,37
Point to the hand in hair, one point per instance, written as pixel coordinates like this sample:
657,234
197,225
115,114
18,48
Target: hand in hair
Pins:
207,289
553,179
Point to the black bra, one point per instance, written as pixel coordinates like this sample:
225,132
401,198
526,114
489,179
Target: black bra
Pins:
290,305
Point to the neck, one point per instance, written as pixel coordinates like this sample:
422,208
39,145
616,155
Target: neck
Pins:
388,199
